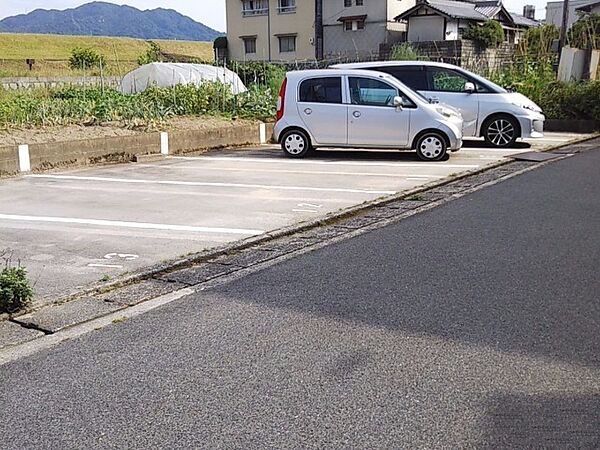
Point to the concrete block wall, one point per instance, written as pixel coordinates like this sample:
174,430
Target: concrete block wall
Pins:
54,82
467,54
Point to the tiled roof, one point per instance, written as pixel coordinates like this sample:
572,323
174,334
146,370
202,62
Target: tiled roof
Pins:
459,10
587,6
474,10
523,21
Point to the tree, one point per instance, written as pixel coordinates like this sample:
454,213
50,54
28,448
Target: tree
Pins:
488,35
86,59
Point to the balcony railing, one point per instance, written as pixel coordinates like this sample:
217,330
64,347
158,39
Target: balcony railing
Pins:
255,12
286,9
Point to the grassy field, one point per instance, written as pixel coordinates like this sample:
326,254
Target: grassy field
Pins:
52,52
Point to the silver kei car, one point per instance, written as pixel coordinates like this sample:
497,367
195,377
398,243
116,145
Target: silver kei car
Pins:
361,109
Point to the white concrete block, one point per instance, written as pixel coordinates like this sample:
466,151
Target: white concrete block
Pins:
164,143
24,159
262,133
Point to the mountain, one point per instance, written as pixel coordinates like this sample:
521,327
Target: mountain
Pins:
107,19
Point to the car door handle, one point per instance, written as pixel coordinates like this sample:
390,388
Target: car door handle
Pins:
308,111
356,114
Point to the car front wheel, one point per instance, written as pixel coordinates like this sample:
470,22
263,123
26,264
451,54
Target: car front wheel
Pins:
501,131
431,147
295,144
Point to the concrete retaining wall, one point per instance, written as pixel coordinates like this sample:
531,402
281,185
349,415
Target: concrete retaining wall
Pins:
92,151
125,148
182,142
53,82
9,162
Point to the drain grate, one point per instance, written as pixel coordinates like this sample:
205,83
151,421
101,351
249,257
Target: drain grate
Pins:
534,156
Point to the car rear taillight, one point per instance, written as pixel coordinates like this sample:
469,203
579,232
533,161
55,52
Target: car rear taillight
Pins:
281,100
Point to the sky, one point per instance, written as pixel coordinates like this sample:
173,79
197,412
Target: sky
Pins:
209,12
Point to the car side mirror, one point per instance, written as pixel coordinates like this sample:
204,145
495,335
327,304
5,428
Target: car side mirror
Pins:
398,102
469,87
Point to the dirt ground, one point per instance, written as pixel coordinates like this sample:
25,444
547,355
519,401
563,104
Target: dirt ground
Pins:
79,132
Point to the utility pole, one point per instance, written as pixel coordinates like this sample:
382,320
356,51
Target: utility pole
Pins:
565,24
319,29
269,28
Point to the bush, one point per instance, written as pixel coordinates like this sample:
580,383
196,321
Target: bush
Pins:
153,54
86,59
90,105
260,73
537,41
558,100
405,52
488,35
585,33
16,292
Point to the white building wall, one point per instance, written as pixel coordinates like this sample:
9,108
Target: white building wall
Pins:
554,11
451,30
429,28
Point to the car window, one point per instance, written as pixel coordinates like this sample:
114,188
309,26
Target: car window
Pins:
412,76
446,80
370,92
321,90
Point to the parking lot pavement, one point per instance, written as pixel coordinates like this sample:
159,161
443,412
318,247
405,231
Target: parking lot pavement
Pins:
77,227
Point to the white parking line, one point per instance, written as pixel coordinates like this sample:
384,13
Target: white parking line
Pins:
201,183
106,266
301,172
120,224
315,162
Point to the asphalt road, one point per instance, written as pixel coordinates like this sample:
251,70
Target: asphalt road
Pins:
72,228
472,325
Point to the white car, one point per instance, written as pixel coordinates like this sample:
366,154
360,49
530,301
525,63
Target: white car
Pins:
361,109
488,110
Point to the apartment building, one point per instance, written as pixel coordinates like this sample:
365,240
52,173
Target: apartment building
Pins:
288,30
270,30
357,28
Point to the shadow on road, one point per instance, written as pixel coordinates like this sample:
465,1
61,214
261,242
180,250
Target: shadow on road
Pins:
500,269
528,421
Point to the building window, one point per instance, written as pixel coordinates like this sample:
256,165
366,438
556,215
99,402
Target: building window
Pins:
287,44
348,3
250,45
255,7
286,6
359,2
354,25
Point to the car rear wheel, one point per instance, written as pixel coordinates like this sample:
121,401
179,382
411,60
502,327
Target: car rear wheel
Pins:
431,147
295,144
501,131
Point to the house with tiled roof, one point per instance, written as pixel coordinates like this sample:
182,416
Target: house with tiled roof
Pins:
446,20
